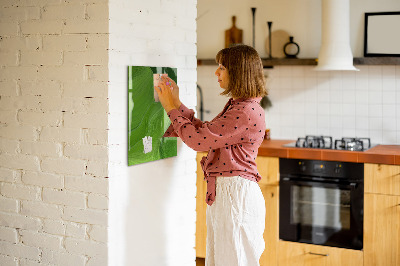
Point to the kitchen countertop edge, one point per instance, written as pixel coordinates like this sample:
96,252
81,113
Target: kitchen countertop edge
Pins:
379,154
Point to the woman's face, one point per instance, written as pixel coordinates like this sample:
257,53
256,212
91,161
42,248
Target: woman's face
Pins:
223,76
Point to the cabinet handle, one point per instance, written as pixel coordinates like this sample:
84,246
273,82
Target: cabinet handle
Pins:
318,254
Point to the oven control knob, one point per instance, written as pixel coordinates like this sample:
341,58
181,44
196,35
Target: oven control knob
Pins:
338,170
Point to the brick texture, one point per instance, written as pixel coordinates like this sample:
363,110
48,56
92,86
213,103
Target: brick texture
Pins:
53,136
63,124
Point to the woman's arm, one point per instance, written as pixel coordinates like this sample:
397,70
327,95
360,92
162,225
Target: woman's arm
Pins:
232,128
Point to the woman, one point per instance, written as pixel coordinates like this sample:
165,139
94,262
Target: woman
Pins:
236,211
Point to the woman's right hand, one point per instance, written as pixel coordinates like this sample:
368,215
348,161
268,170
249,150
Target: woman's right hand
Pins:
175,91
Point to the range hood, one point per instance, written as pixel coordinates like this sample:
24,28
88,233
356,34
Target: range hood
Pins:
335,52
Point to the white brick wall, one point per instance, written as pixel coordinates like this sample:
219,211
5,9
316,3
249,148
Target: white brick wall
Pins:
53,132
152,205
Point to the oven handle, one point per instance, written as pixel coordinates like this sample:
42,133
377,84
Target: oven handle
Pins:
310,182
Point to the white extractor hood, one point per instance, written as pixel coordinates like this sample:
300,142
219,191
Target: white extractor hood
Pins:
335,52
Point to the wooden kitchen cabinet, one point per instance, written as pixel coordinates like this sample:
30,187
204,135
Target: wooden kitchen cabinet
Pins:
300,254
382,179
271,232
382,215
201,205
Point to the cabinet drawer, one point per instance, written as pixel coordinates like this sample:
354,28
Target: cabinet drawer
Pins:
299,254
382,179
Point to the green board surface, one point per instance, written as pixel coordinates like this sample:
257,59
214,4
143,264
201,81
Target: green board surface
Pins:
147,119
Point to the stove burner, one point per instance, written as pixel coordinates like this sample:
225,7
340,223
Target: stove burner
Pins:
324,142
353,144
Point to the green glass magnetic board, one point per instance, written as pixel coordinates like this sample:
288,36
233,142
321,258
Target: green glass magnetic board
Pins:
147,119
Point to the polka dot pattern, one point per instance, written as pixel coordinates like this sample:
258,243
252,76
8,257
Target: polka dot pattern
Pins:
232,139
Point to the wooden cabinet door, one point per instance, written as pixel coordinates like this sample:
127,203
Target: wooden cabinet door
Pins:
271,232
268,168
299,254
201,205
382,179
381,230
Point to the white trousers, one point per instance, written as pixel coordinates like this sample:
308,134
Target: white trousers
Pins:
235,223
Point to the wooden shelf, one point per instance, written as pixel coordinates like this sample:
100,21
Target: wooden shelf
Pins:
269,63
377,61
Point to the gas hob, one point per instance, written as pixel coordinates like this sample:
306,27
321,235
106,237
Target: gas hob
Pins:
327,142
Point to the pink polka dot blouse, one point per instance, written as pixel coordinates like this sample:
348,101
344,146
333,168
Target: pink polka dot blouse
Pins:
232,139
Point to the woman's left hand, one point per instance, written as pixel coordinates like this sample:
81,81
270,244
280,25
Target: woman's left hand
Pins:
165,95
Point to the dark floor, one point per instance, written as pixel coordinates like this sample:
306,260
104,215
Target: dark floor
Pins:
200,262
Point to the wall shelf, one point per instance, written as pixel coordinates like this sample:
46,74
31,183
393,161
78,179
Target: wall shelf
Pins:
269,63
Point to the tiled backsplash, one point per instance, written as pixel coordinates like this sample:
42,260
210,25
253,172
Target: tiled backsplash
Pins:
365,103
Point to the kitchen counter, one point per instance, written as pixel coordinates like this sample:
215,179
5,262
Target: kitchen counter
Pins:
380,154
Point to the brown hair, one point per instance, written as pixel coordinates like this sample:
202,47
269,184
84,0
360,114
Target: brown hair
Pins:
245,69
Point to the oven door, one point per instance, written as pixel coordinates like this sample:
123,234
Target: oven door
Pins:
321,212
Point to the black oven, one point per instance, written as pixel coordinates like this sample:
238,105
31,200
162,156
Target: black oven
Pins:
321,202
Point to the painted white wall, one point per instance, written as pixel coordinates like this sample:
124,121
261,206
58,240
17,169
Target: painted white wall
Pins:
301,19
152,205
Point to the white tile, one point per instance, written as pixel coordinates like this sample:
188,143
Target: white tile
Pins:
336,96
324,131
285,71
389,110
311,122
362,133
323,95
323,121
286,120
310,95
389,137
298,97
323,83
348,109
375,123
298,131
336,133
336,121
375,110
398,137
374,83
389,124
335,108
388,84
349,132
298,120
349,122
389,97
388,71
336,83
362,110
298,71
285,83
323,109
287,133
299,108
376,136
362,123
375,97
298,83
349,96
362,97
310,82
397,72
362,79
